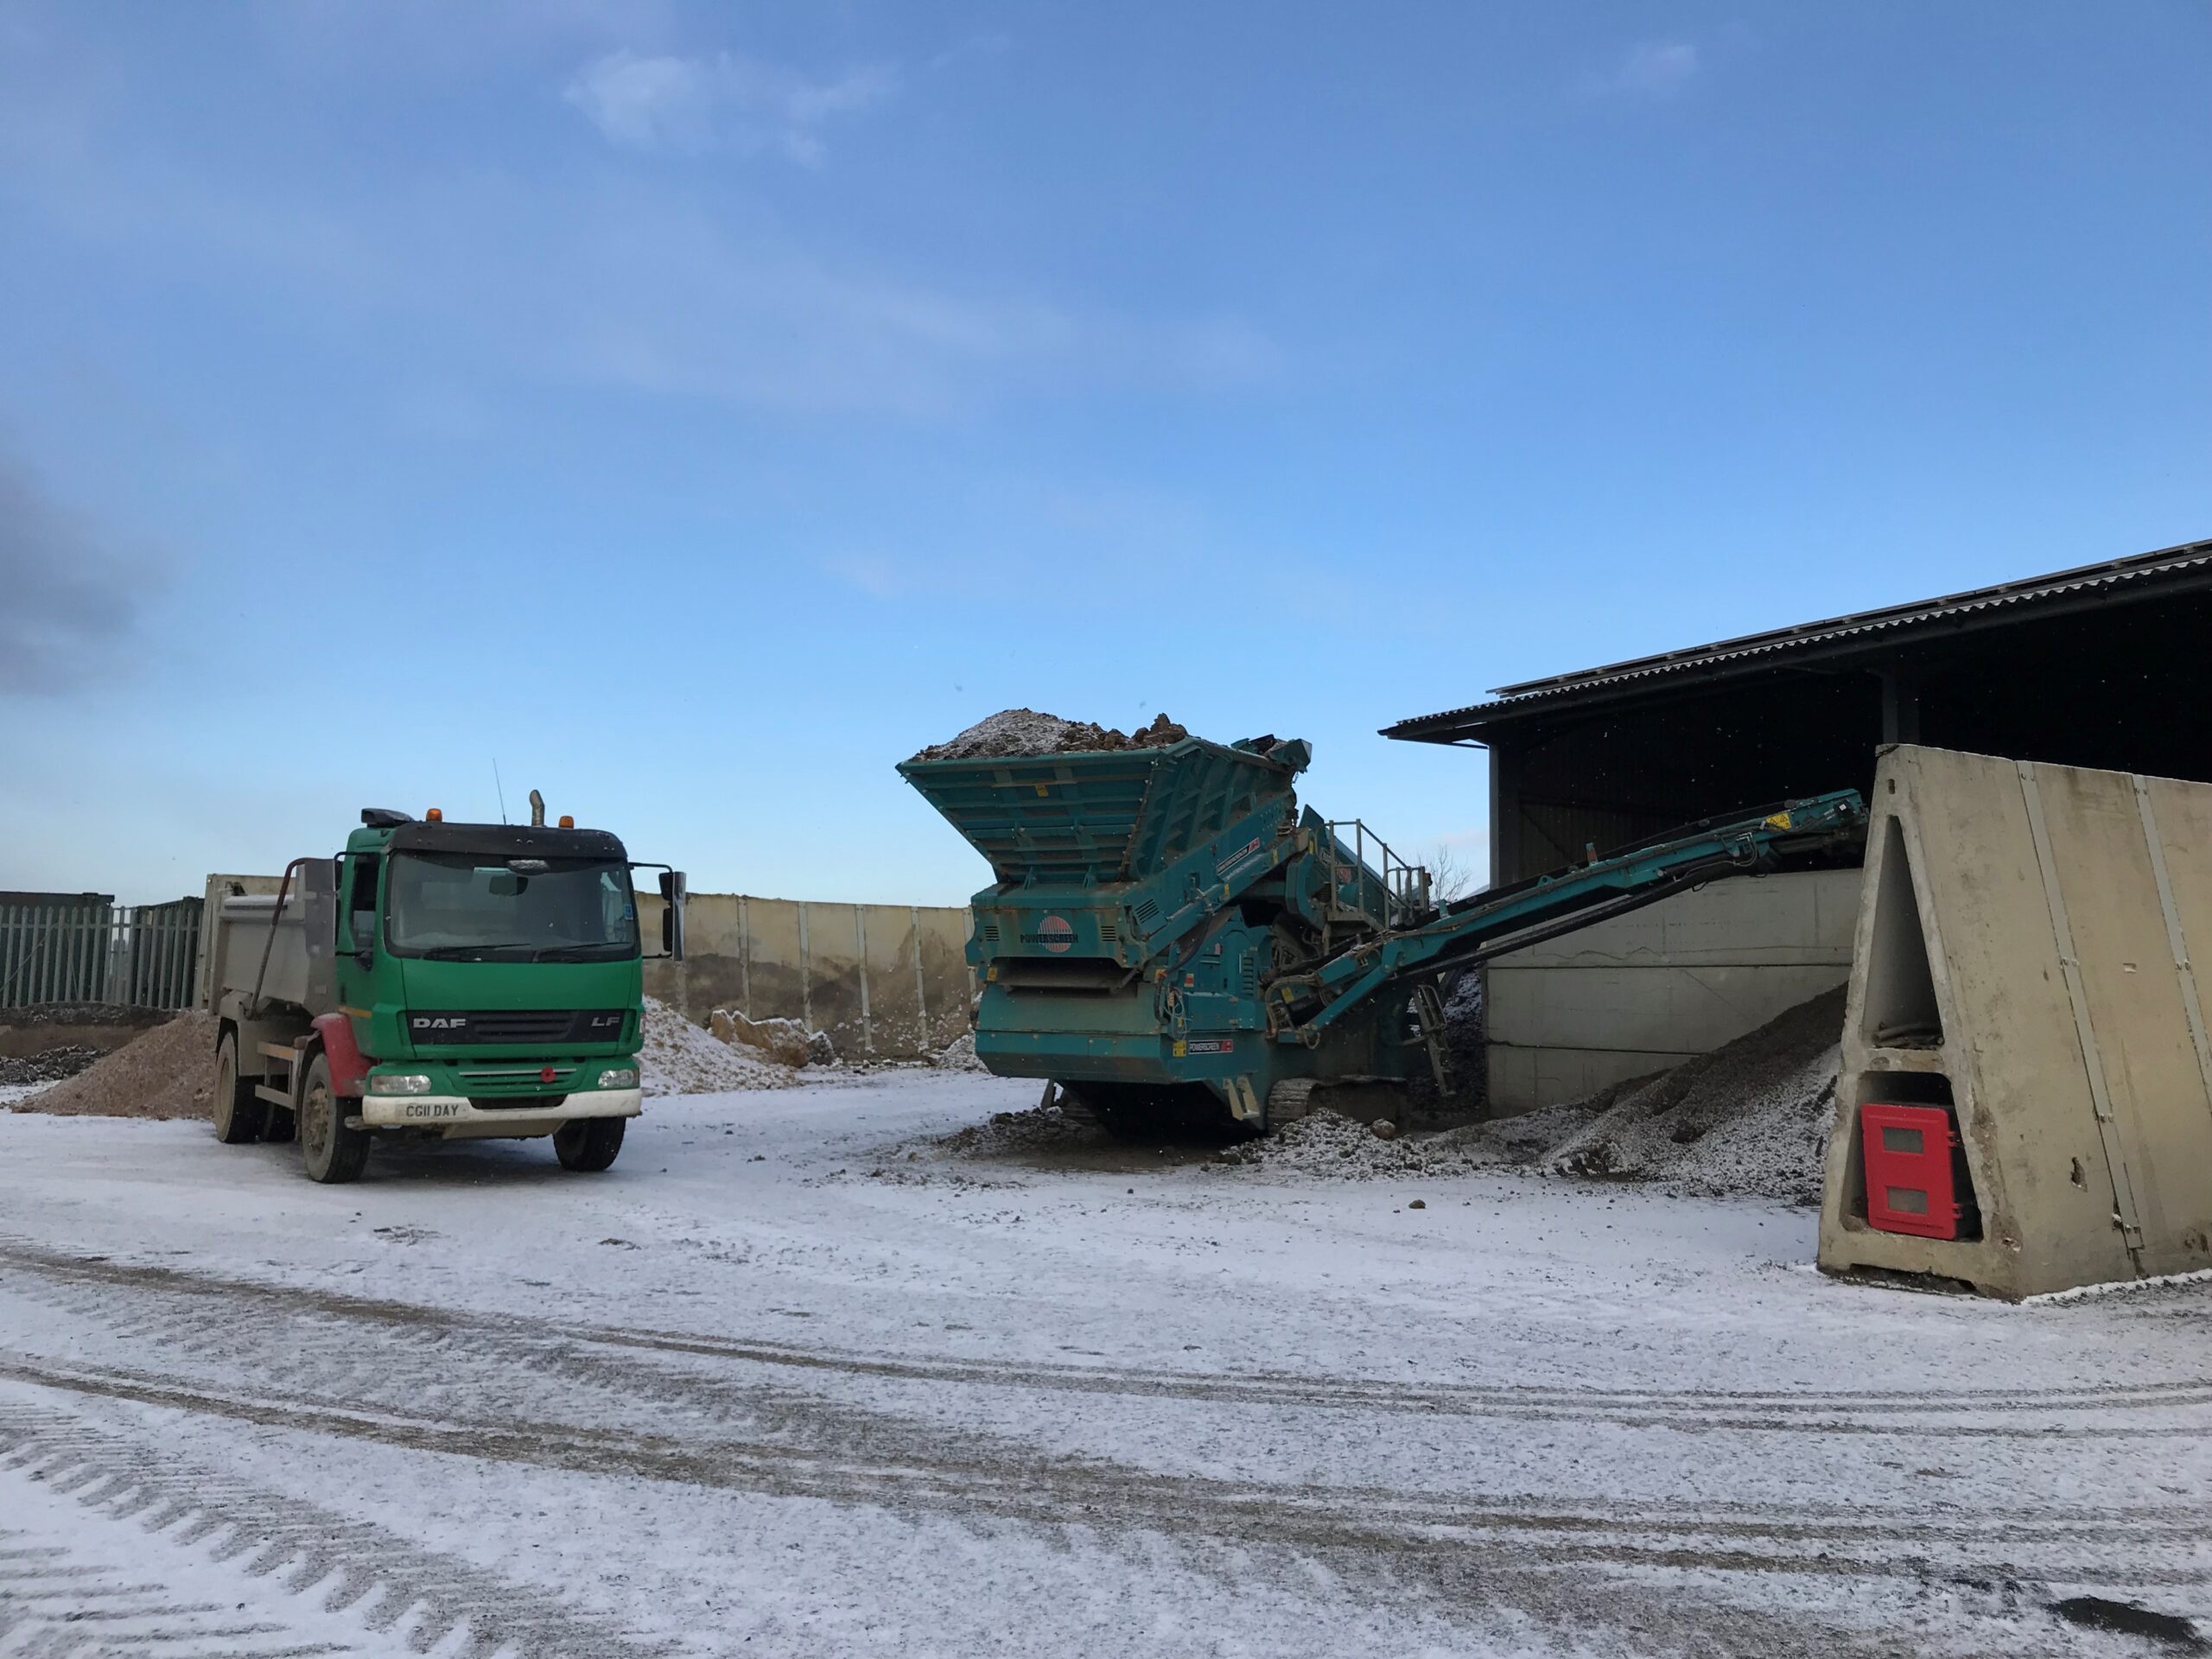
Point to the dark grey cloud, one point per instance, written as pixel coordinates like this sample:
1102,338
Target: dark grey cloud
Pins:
68,600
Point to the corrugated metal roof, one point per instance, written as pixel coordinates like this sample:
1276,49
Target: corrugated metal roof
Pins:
2192,560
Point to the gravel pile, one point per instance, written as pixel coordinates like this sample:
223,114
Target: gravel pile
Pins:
1749,1120
1025,731
958,1055
169,1072
47,1065
1328,1144
1041,1128
1466,1059
678,1058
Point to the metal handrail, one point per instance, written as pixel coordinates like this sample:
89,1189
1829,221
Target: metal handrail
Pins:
1404,886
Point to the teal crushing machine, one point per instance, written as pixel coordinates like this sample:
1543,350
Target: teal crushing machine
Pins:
1167,932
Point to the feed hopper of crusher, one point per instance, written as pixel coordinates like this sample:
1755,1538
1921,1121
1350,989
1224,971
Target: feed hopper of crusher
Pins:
1168,934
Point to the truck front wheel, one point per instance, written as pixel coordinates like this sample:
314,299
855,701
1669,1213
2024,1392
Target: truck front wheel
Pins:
587,1143
240,1115
331,1151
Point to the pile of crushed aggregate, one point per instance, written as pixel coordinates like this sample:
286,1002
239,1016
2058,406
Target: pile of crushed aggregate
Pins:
958,1055
1040,1129
1025,731
678,1058
1749,1120
47,1065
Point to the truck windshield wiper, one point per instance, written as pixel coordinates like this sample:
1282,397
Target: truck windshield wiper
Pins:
572,952
465,952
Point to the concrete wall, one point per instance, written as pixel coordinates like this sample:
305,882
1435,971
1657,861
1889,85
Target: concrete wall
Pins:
885,980
1648,990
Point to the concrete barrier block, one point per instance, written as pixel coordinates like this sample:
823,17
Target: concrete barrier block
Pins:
2022,958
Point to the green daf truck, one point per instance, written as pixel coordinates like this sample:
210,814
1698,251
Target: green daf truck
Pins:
434,981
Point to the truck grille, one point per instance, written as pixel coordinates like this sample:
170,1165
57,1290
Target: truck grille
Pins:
524,1082
518,1103
516,1025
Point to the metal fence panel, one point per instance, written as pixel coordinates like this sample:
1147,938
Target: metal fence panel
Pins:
84,948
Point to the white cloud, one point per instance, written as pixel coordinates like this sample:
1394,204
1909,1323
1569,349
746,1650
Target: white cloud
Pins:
490,279
1653,69
688,104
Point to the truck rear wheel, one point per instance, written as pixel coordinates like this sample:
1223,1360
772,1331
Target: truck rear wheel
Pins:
240,1115
587,1143
332,1152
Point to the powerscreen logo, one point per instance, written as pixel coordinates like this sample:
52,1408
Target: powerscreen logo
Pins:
1055,933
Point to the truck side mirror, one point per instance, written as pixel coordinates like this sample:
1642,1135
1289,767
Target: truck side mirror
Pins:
672,891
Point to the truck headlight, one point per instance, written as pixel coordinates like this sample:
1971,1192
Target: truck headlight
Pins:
399,1084
619,1076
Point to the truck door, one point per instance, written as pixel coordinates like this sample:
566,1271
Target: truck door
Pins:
358,937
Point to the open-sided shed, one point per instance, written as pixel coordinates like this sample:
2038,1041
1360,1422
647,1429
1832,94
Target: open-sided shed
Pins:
2102,667
2105,666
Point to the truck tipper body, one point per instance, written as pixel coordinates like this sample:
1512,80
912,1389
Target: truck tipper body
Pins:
434,980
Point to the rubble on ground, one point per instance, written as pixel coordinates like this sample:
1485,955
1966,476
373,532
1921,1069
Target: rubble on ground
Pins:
1040,1129
47,1065
1025,731
1749,1120
958,1055
168,1073
786,1041
1329,1144
1466,1039
678,1058
81,1014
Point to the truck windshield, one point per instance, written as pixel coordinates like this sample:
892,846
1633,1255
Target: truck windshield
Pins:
473,907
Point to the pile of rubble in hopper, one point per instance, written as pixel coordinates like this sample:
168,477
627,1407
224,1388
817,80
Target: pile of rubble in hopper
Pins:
1025,731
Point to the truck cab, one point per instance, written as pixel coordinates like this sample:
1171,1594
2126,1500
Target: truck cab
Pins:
446,981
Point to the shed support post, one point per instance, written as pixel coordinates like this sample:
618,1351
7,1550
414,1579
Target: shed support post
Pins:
1900,706
1505,811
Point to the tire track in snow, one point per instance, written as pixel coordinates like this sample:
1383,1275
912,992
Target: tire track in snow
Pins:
56,1601
1883,1411
1056,1490
413,1377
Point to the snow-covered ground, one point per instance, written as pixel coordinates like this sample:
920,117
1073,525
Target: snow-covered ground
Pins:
774,1385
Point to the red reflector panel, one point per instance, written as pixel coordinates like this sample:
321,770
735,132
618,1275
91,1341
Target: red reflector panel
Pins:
1910,1184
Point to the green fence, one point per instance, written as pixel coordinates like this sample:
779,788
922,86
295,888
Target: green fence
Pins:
83,947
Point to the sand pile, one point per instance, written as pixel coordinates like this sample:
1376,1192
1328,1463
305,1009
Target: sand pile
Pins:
169,1072
1025,731
1749,1120
678,1058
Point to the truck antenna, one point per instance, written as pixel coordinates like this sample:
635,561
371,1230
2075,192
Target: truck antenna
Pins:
501,787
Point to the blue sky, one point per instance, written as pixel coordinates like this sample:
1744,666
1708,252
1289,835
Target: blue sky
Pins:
694,410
